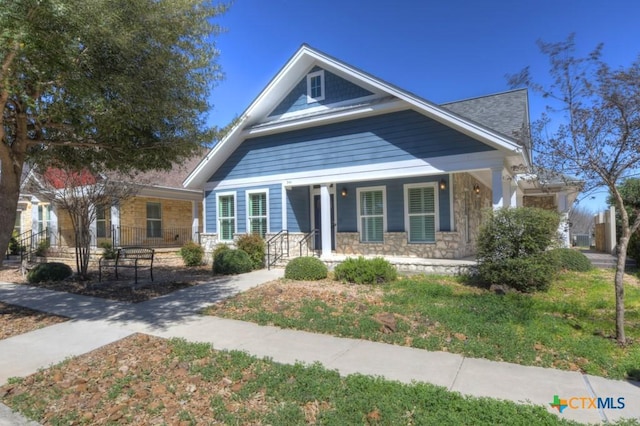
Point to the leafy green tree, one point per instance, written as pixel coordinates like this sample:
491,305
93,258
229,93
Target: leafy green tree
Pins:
102,85
591,130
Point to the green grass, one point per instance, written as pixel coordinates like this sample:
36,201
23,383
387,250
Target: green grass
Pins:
569,327
355,399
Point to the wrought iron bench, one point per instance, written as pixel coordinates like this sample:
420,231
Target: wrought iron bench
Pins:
129,257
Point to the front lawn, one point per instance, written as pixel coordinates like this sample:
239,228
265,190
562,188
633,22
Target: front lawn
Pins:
144,380
570,327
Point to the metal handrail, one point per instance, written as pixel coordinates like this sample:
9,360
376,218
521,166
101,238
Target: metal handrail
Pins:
281,237
306,239
31,243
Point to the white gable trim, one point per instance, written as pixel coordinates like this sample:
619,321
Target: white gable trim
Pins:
298,67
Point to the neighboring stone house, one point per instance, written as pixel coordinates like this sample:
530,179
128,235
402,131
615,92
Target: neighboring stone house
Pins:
161,214
333,159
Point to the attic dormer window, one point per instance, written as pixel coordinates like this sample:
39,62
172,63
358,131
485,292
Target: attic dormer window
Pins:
315,86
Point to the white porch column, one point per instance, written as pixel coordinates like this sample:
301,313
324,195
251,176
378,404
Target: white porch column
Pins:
563,227
195,221
34,215
497,188
93,231
115,224
509,189
53,227
325,220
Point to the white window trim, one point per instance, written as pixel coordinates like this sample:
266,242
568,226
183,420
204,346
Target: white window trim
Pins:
248,218
311,99
153,219
384,210
235,213
408,186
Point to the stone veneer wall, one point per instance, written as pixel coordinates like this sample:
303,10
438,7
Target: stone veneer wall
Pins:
396,244
469,207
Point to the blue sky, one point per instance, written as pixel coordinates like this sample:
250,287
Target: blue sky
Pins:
442,51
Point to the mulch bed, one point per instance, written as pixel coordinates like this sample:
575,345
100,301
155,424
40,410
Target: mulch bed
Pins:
167,279
15,320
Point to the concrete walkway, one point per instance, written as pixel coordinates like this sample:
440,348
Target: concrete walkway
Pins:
98,322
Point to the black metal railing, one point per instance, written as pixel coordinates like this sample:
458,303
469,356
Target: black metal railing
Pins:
277,247
122,236
32,244
310,237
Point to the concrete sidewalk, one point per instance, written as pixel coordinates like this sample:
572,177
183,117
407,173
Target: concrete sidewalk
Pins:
98,322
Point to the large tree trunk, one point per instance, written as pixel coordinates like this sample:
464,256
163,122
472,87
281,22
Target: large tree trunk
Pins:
10,188
11,163
619,286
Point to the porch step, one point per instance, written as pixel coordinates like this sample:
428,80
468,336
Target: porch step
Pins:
607,261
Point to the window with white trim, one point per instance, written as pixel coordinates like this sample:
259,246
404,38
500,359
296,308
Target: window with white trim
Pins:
421,201
17,228
154,220
226,216
101,221
371,214
44,217
257,213
315,86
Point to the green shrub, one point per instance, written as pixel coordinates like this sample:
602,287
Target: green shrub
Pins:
525,274
230,261
568,259
192,254
220,248
305,268
511,247
365,271
53,271
511,233
43,246
108,252
253,245
14,244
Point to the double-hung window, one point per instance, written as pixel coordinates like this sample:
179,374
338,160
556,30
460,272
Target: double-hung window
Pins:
257,213
154,220
101,221
421,212
226,216
371,214
315,86
44,217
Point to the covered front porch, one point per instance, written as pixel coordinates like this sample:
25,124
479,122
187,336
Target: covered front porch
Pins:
424,217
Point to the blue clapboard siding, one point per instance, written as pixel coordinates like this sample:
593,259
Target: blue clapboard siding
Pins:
336,89
347,206
403,135
298,208
275,208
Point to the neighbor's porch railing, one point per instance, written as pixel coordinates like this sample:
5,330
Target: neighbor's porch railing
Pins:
122,236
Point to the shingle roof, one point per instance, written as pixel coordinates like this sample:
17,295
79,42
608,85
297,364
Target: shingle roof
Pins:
505,113
170,178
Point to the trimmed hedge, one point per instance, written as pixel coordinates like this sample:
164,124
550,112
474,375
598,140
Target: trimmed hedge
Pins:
365,271
525,274
306,268
569,259
192,254
512,245
53,271
254,246
230,262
